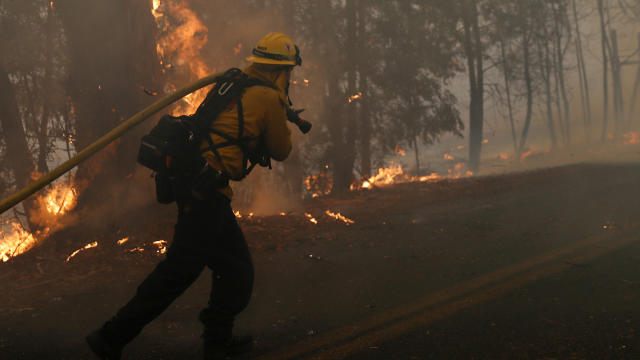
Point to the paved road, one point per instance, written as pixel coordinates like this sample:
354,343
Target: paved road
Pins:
542,265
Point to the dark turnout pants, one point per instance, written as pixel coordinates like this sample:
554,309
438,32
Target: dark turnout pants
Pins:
206,234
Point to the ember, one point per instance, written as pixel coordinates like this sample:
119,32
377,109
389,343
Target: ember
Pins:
355,97
161,245
86,247
311,218
340,217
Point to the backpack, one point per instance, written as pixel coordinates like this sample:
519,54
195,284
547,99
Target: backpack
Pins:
172,149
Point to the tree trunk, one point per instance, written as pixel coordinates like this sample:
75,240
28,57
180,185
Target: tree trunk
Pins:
416,153
43,133
560,69
634,95
529,86
582,75
473,52
364,115
18,155
112,56
545,65
618,106
605,71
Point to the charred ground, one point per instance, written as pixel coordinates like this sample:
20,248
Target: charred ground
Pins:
408,241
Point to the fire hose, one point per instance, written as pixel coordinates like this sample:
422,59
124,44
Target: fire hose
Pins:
105,140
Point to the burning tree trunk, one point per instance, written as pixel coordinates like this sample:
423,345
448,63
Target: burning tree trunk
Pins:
364,114
112,54
18,154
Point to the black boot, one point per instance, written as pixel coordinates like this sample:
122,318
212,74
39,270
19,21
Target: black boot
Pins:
102,347
219,345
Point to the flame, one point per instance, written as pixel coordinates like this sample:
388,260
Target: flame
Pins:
182,38
59,200
340,217
400,151
524,156
306,82
503,156
88,246
355,97
631,138
15,242
448,157
430,177
138,249
237,214
485,141
386,175
123,240
161,245
311,218
319,184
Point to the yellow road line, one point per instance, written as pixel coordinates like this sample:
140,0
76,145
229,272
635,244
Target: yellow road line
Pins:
384,318
402,327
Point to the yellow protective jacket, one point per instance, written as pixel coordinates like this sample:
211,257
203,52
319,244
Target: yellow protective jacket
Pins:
265,118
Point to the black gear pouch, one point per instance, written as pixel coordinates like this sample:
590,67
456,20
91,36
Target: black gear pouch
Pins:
165,193
207,182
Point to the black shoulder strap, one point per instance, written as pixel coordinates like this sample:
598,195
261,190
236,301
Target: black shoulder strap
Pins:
227,91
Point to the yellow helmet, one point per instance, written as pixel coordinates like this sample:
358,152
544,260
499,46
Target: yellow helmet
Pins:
276,49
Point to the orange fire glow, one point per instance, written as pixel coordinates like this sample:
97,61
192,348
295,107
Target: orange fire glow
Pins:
319,184
354,97
182,38
340,217
311,218
631,138
400,151
161,245
448,157
16,240
59,200
86,247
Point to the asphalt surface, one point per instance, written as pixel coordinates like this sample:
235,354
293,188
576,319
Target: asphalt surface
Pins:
540,265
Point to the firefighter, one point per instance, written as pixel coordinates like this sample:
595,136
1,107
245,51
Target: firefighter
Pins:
206,233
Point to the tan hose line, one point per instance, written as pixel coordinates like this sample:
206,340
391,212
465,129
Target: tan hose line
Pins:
117,132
